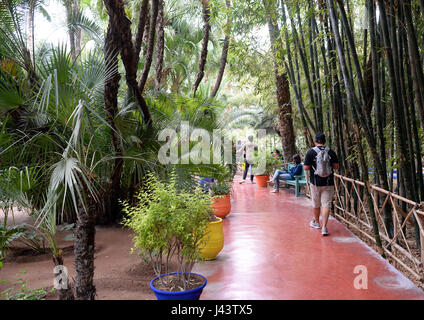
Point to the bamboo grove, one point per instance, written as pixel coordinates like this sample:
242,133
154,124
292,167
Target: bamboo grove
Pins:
355,72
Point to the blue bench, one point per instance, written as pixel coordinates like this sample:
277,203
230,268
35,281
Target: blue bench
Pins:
299,181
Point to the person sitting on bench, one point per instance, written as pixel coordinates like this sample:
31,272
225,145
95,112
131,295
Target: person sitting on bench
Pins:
296,170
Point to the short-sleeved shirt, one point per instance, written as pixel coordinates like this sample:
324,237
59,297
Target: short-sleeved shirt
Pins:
311,161
249,148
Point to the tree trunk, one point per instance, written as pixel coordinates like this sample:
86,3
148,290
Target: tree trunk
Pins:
376,86
282,85
151,46
84,248
113,192
78,32
160,45
224,53
204,53
369,87
415,60
146,29
121,29
66,293
391,58
30,40
71,32
143,17
288,138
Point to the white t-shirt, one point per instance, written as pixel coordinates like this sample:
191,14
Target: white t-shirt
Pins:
250,149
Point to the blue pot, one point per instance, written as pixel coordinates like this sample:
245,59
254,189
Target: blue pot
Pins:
193,294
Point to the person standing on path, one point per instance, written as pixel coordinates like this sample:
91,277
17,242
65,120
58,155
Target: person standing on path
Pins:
321,161
248,148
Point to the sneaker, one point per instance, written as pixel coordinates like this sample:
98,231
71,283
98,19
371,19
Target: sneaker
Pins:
252,182
269,181
314,224
275,191
242,181
324,231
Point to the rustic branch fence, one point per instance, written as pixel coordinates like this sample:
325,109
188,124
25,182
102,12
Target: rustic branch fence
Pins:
406,243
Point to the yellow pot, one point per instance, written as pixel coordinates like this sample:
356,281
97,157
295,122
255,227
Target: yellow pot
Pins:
213,240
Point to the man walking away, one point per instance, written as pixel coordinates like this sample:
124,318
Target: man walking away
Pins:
249,148
321,161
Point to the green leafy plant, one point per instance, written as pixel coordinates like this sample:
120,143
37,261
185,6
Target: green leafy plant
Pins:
20,291
169,221
7,235
223,181
271,164
33,239
220,188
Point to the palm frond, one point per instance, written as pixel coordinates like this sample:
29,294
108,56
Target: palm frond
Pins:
78,20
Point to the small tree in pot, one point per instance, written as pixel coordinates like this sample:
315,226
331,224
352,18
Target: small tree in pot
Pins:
170,222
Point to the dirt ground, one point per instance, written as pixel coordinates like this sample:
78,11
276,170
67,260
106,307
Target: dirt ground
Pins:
118,274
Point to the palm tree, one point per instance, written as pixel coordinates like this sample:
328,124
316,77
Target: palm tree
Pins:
60,144
181,44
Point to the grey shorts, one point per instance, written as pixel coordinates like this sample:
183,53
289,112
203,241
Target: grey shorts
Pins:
322,196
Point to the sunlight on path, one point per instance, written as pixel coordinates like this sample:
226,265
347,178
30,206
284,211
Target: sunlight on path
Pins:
271,252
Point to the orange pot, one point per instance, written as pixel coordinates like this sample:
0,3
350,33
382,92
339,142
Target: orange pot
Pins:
221,205
262,181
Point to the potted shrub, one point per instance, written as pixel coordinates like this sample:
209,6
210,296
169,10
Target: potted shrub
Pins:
169,222
263,172
221,198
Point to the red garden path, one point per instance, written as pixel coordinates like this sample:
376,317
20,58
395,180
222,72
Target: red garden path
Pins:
271,252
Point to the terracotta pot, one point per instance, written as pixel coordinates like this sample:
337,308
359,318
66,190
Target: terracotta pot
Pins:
213,240
221,205
262,181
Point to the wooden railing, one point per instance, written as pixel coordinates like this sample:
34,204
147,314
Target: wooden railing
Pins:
403,241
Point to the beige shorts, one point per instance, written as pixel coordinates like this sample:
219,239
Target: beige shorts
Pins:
322,196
